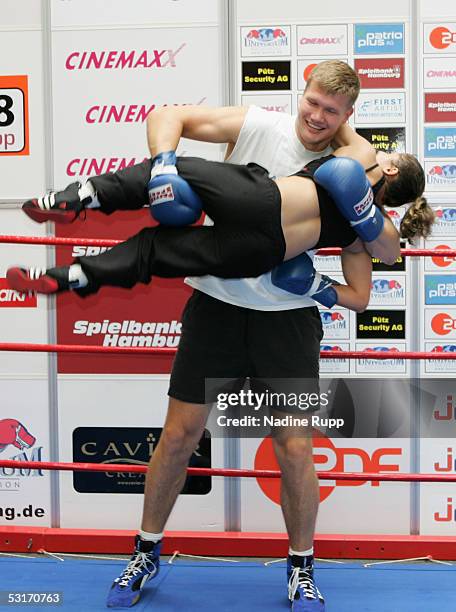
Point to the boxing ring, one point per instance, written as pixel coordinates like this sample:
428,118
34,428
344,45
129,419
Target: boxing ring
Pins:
411,585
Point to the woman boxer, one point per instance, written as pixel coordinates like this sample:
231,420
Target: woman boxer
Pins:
258,222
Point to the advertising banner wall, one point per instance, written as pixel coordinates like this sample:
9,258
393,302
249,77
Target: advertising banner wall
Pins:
25,495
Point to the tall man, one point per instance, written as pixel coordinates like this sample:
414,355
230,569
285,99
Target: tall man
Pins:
257,319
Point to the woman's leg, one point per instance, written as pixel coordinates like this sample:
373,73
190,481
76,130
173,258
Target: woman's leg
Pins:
155,251
123,190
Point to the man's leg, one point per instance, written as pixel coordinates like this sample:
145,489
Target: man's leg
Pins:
299,487
166,473
299,501
165,478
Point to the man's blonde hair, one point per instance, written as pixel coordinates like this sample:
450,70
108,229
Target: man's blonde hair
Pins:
336,77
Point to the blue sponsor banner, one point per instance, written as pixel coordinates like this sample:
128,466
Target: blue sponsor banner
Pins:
379,38
440,289
440,142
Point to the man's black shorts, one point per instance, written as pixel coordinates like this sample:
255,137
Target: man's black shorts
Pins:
220,340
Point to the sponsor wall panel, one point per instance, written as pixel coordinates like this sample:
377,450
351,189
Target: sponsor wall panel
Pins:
440,263
147,315
21,14
25,496
439,72
328,39
440,107
440,175
21,129
350,9
429,10
380,108
91,13
268,40
125,74
438,455
281,103
440,37
344,508
381,367
22,318
381,73
118,421
440,324
379,38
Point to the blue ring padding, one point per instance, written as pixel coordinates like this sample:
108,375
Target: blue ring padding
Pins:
204,586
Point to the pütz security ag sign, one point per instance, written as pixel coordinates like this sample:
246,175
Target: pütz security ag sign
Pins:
266,76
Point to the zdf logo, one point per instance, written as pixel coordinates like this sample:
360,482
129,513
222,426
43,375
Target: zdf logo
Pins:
443,324
328,458
441,38
443,261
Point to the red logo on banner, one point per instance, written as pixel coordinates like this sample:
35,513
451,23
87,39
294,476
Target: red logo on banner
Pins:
444,261
441,37
440,107
379,73
329,458
443,324
307,70
9,298
13,432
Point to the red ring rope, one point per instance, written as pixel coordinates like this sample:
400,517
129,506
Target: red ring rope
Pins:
102,242
228,473
134,350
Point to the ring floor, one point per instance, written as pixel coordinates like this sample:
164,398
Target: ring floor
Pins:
203,586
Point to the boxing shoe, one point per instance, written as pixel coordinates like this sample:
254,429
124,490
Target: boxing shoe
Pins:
143,565
58,206
39,280
302,590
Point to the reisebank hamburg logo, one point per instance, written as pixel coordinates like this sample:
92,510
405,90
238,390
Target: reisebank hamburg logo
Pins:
379,38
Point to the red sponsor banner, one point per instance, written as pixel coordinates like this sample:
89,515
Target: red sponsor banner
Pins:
145,316
14,299
440,107
380,73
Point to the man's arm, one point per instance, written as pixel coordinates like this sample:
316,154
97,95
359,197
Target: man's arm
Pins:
357,270
166,125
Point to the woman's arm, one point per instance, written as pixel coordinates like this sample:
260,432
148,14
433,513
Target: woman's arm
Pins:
387,246
357,270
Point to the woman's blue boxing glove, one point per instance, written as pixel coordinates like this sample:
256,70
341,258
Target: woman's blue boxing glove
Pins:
346,182
299,276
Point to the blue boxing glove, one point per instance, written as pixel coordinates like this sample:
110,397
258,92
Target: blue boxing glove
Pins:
172,201
346,182
298,276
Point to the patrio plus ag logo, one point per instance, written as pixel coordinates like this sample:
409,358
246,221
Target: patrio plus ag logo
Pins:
328,458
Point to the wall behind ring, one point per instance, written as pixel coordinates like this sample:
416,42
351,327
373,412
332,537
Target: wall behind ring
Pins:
77,114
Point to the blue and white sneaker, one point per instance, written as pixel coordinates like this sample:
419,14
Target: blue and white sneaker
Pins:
302,590
143,565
